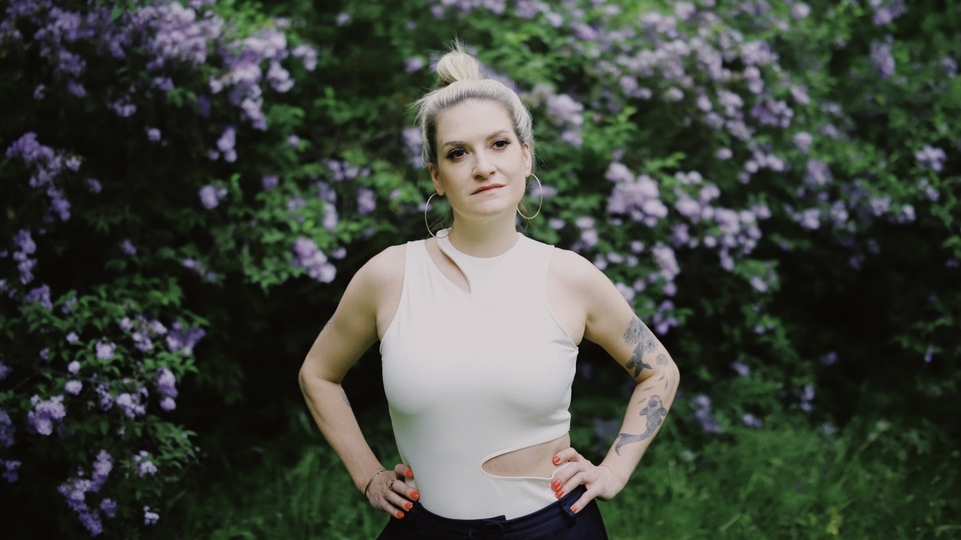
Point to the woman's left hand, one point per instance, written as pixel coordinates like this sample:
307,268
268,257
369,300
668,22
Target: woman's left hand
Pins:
600,481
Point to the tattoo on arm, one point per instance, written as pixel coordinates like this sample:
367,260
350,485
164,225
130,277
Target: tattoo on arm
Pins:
655,412
661,359
643,341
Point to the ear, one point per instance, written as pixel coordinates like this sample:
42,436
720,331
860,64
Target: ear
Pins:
528,162
435,178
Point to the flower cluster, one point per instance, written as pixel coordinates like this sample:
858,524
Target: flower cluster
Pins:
76,489
182,338
143,331
702,413
309,257
47,166
45,413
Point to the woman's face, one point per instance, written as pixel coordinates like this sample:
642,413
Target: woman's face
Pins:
481,165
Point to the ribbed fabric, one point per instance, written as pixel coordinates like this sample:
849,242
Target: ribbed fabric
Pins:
470,376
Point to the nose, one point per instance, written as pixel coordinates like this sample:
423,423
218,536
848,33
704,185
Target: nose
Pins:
483,167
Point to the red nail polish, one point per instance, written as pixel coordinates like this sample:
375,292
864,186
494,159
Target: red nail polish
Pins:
555,485
556,460
409,473
408,506
574,509
415,495
400,515
560,493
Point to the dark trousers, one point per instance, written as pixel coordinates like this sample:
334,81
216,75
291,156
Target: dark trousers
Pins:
555,521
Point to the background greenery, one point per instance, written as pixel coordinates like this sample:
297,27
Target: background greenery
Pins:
798,255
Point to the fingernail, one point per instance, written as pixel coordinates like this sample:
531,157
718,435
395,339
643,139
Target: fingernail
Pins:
556,460
415,495
574,509
560,493
408,506
400,515
409,473
555,485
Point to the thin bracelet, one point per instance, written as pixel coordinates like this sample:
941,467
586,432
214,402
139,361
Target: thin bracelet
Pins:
371,480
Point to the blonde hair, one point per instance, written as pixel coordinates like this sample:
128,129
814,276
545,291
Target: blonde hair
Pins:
459,79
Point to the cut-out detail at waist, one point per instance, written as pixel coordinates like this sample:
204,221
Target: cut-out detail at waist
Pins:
527,461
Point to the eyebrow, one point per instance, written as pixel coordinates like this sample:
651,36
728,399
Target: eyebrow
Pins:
491,136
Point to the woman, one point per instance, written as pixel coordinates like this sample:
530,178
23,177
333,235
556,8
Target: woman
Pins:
479,328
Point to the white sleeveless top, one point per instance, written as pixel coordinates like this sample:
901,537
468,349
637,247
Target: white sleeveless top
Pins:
470,376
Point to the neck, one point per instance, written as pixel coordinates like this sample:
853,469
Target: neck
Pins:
487,239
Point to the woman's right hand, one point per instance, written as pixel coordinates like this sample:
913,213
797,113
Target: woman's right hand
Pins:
389,492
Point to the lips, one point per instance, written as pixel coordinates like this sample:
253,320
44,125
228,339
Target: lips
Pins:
483,189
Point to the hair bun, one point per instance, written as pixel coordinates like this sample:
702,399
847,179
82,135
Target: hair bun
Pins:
457,65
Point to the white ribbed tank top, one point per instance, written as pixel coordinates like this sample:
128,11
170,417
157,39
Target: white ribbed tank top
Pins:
470,376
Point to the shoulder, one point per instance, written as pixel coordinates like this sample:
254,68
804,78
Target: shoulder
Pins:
384,272
575,271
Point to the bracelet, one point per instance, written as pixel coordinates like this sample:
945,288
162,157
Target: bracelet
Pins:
371,480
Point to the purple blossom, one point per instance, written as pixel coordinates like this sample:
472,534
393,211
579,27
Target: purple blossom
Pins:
818,173
413,64
751,421
307,54
807,396
93,185
144,465
105,350
724,154
800,10
128,247
293,140
270,182
130,404
103,392
881,58
73,367
45,413
10,470
109,507
931,158
153,134
168,404
308,256
226,144
73,387
4,371
741,368
210,196
166,382
810,219
7,430
885,11
830,358
183,338
72,338
41,294
702,412
803,140
149,518
366,201
76,89
343,18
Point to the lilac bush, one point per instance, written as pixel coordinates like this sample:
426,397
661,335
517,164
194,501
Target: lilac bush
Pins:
769,184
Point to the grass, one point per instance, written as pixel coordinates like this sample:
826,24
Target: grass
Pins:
870,480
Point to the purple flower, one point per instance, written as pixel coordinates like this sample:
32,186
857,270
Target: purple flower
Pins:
10,470
127,247
73,387
803,140
741,368
168,404
183,338
413,64
307,54
270,182
93,185
109,507
166,382
40,294
366,201
343,19
309,257
751,421
105,350
45,413
76,89
800,10
208,197
881,58
149,518
4,371
830,358
931,158
293,140
226,144
818,173
130,403
702,412
807,396
72,338
6,430
885,11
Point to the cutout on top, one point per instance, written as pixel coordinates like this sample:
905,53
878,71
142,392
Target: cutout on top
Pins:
448,267
530,461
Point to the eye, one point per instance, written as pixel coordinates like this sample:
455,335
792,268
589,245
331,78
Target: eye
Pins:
456,153
501,143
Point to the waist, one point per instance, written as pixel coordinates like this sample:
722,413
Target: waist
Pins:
555,517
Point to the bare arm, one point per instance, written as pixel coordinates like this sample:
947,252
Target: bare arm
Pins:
352,330
611,323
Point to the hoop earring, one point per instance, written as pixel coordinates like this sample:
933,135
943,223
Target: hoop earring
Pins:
540,188
426,208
